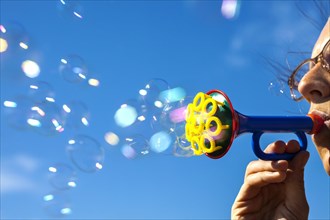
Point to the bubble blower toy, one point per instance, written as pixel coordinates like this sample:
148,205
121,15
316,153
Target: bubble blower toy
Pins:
212,124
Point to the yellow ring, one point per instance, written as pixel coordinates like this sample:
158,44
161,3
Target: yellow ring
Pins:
188,132
189,111
218,126
199,99
194,143
214,107
202,143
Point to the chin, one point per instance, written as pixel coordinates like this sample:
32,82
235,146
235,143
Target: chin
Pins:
326,164
323,148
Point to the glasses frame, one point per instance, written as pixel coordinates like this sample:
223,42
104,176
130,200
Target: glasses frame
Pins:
317,59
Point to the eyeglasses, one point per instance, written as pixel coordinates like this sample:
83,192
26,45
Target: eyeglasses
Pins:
305,67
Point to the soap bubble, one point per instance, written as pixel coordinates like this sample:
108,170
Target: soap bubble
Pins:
278,88
76,114
172,95
125,116
16,40
57,204
230,8
161,121
17,111
93,79
161,142
111,138
86,153
45,118
73,69
182,147
15,36
41,91
135,146
150,94
62,176
130,112
69,9
3,45
30,68
172,117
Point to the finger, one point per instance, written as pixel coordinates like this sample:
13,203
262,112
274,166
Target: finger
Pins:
254,183
270,166
276,147
292,146
298,163
264,178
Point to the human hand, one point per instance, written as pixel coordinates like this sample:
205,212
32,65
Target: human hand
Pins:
274,189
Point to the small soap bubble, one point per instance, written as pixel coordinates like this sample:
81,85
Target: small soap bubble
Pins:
173,116
161,142
30,68
172,95
160,120
45,118
41,91
57,204
111,138
135,146
3,45
62,176
182,147
14,51
70,10
86,153
131,112
76,114
73,69
125,116
278,87
230,8
17,111
151,93
93,80
15,36
128,152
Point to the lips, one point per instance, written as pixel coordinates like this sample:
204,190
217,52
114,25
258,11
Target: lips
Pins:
324,116
321,138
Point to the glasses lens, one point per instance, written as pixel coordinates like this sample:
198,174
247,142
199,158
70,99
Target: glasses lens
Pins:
299,74
326,56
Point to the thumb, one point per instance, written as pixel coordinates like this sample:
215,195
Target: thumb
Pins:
297,165
295,187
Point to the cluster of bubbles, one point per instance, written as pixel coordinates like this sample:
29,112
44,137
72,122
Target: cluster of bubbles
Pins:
34,107
158,108
159,111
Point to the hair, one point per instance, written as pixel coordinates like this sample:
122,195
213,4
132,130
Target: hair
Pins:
315,12
322,7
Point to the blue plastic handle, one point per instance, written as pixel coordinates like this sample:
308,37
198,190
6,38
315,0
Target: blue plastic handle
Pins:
273,156
274,124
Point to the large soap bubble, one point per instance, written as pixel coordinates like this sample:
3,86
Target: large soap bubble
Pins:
86,153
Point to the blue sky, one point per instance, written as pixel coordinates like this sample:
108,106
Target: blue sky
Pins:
124,45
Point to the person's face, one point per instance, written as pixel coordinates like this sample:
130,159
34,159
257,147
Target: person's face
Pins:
315,88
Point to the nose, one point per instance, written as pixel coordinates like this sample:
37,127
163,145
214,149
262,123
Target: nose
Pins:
315,85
